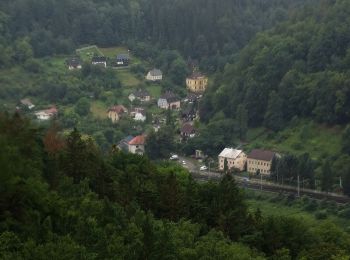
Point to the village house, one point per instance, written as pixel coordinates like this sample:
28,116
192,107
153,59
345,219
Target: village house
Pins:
169,101
187,131
140,94
135,145
236,159
154,75
138,114
116,112
122,60
197,82
260,161
74,63
46,114
27,103
99,60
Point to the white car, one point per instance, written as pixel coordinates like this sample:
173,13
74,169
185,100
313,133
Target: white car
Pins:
203,168
174,157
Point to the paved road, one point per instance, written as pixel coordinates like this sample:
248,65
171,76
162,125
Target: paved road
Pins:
193,167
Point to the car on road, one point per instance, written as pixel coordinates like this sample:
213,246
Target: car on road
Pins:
174,157
203,168
183,162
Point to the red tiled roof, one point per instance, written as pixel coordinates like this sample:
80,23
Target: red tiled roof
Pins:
52,110
138,140
259,154
118,109
187,128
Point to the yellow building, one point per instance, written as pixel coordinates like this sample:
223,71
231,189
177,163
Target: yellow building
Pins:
235,159
197,82
260,161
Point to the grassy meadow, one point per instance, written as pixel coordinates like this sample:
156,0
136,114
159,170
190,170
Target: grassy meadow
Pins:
300,137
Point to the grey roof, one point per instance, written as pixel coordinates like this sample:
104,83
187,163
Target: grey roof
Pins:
263,155
168,95
123,144
122,56
141,93
155,72
99,59
230,153
74,62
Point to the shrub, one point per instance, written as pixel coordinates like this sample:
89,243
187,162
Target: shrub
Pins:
321,214
312,205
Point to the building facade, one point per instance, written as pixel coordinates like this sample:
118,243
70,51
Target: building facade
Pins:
154,75
137,145
260,161
99,60
236,159
115,112
169,101
197,83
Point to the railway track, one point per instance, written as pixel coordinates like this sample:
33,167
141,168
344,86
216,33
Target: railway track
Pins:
266,187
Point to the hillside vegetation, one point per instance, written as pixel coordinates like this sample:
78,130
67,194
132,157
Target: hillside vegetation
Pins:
60,198
58,27
300,68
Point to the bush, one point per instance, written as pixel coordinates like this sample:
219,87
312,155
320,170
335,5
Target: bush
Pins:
33,66
321,214
312,205
345,213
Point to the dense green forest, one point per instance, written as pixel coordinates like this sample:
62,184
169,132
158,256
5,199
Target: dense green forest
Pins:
60,198
211,31
299,68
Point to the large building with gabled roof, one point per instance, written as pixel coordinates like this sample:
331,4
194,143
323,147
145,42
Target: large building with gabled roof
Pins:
260,161
236,159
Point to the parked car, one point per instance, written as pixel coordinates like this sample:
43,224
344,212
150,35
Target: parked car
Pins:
174,157
203,168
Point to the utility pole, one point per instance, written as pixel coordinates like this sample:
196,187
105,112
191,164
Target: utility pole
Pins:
260,181
298,186
340,182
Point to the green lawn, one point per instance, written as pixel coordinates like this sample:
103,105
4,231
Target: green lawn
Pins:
86,53
305,136
56,64
127,78
113,51
278,209
99,109
154,90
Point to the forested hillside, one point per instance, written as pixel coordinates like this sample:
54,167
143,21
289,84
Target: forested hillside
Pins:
60,198
199,29
300,68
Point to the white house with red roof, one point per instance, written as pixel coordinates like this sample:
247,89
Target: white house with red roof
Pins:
47,113
137,145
